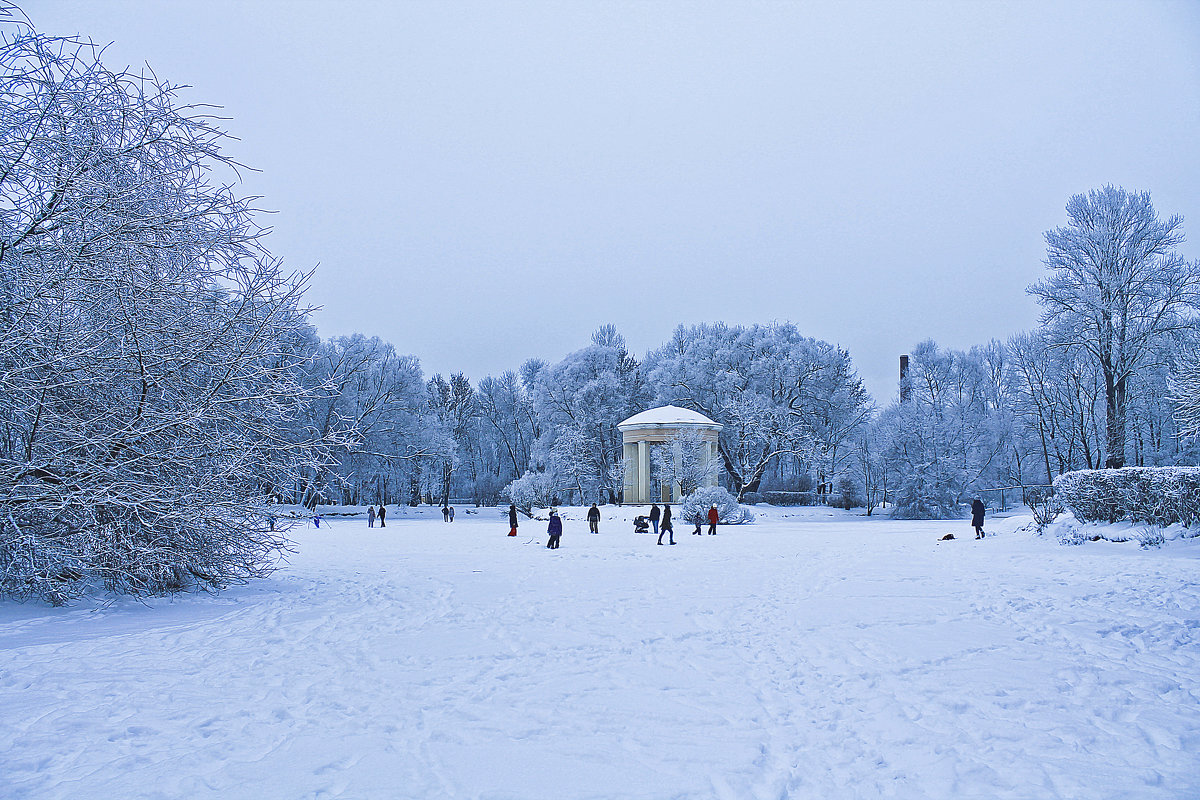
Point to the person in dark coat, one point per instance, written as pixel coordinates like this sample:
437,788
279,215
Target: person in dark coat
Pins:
593,517
699,520
713,517
977,511
445,513
382,515
666,526
512,520
370,516
554,529
317,520
452,513
654,514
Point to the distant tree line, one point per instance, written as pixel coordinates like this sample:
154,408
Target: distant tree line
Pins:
1110,377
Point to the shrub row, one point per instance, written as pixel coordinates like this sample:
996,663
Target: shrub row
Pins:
1151,495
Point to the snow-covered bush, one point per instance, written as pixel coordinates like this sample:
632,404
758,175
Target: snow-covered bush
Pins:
531,489
701,500
1151,536
1160,496
1045,505
1069,533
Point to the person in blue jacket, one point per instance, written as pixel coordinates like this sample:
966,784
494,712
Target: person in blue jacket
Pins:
554,529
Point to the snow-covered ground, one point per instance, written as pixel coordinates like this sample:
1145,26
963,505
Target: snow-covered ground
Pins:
811,655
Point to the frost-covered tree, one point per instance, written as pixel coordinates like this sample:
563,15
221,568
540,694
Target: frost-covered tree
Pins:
684,460
574,465
508,417
946,439
373,401
451,405
776,392
586,395
1058,406
1185,390
1117,287
148,341
870,466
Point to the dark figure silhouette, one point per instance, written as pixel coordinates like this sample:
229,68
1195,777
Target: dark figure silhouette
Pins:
666,526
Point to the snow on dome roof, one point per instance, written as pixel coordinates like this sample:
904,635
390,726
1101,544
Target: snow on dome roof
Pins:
668,416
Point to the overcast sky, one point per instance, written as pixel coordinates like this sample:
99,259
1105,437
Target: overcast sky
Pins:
486,182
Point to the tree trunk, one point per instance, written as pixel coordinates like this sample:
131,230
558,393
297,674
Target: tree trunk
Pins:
1114,402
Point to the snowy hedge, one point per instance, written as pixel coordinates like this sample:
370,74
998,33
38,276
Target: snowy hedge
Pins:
701,500
1159,496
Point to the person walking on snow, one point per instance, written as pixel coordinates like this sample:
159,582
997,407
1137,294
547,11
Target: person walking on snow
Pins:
512,520
654,513
666,524
593,518
977,511
698,518
382,515
713,516
445,513
317,520
452,513
370,516
554,529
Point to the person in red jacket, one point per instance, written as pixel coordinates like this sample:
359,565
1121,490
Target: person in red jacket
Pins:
713,516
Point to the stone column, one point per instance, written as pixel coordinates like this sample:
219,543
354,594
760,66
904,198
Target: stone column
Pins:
714,458
676,489
629,453
643,448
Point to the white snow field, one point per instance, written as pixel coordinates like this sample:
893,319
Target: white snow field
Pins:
814,654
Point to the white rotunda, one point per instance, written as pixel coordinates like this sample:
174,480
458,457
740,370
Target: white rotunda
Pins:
662,426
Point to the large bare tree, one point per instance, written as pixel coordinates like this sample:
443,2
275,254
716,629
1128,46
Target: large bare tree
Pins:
1117,287
147,356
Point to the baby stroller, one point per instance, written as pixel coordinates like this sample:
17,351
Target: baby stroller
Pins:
641,525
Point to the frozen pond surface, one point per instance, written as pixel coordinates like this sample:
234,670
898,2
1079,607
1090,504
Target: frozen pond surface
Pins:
811,655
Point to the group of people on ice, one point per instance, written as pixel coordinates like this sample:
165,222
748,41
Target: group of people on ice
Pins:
659,518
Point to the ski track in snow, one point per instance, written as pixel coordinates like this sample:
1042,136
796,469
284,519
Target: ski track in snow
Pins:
806,656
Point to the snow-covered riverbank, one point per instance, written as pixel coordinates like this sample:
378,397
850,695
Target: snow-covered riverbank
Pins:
811,655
